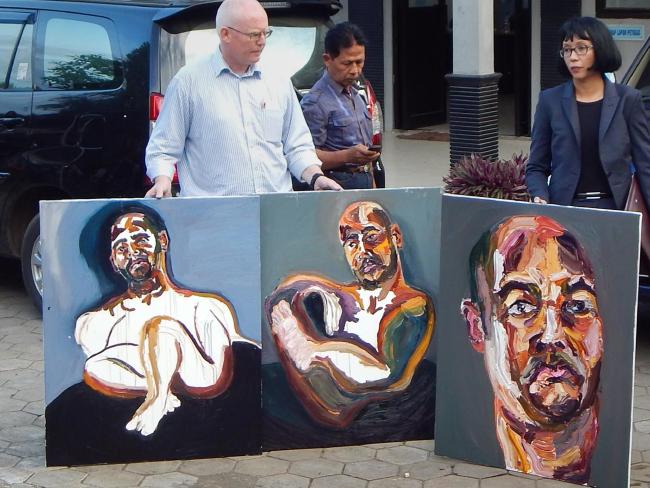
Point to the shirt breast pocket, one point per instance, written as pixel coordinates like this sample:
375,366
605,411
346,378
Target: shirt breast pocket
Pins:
341,129
272,125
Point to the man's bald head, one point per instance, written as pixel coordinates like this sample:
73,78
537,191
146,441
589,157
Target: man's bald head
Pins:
371,242
242,26
361,212
236,12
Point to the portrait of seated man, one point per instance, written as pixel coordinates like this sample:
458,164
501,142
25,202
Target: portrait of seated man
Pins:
155,340
345,346
534,316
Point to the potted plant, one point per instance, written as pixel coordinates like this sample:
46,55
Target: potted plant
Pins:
476,176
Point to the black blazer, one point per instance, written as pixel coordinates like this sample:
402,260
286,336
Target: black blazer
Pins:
624,140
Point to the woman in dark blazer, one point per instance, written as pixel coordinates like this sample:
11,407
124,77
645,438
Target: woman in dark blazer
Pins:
588,133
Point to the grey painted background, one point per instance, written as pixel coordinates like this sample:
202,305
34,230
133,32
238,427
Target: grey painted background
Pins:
214,247
300,234
464,412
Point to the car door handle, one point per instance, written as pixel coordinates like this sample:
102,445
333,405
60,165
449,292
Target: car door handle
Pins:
11,122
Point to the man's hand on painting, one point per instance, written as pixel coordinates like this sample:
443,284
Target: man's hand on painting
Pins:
294,342
325,183
162,188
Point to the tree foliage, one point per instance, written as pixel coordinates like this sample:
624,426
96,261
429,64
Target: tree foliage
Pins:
82,72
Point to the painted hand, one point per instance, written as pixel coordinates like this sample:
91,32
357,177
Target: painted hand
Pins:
291,338
150,413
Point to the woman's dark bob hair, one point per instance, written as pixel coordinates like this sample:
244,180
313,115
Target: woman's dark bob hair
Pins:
608,57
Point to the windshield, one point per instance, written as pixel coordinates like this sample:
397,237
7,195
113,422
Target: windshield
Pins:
294,50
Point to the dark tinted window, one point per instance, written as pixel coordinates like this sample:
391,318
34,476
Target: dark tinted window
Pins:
16,46
21,70
78,55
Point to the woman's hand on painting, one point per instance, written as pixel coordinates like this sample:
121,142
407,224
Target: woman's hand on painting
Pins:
539,200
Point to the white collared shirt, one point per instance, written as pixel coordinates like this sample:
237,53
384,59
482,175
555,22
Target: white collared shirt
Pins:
229,134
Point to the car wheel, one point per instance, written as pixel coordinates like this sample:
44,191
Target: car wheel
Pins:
32,262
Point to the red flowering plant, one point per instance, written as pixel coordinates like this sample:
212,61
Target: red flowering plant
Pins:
479,177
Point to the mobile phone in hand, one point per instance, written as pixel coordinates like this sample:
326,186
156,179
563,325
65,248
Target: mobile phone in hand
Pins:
374,148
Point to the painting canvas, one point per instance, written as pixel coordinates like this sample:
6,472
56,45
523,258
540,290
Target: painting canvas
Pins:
537,338
152,336
349,283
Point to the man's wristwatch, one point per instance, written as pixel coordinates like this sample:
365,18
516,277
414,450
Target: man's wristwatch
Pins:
313,180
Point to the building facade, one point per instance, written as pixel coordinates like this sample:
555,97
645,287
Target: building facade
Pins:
412,48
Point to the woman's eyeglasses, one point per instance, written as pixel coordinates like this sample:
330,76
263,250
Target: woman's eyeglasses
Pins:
580,50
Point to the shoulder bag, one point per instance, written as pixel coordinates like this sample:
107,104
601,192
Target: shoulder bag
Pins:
635,203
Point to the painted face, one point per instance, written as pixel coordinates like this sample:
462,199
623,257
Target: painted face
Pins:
133,247
544,344
346,68
368,245
579,65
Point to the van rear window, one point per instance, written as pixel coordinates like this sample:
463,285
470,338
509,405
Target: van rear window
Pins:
295,49
288,50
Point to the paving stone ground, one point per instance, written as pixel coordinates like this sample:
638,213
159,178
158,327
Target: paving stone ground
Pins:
392,465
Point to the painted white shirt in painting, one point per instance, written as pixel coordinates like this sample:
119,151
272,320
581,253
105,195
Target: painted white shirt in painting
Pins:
118,334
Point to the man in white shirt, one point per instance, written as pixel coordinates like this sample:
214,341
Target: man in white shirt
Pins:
229,126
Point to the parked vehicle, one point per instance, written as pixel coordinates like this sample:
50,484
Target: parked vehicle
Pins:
638,76
83,82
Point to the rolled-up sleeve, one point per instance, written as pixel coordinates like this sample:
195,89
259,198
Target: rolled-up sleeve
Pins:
315,118
296,138
167,139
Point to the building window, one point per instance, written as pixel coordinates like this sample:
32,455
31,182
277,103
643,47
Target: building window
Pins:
619,9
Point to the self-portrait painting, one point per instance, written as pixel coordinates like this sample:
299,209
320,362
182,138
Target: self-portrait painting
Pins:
349,282
152,339
538,335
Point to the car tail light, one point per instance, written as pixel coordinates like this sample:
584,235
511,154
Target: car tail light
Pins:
374,109
155,105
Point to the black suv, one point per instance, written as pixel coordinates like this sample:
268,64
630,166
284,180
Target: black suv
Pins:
82,82
638,76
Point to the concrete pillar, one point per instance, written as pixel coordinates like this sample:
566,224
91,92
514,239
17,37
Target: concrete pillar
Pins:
473,86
